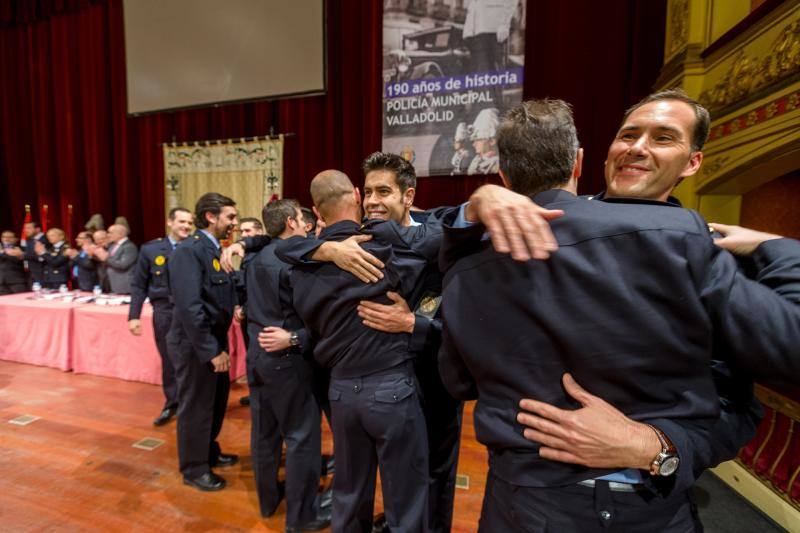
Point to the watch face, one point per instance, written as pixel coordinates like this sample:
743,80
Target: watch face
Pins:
669,466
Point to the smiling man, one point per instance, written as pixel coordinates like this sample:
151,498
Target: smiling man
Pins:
658,144
203,295
150,281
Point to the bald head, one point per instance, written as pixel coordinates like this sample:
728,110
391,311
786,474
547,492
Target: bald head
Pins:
117,232
334,196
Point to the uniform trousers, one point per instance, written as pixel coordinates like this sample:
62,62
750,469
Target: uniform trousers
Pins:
202,401
377,422
162,318
443,415
283,409
576,508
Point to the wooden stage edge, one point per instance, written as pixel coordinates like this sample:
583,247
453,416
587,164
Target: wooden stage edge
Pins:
74,468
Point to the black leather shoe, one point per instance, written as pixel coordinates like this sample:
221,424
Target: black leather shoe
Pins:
380,525
208,482
226,459
322,521
244,400
328,465
165,416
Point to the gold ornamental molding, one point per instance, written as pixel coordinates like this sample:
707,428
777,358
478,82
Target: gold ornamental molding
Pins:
747,74
774,108
678,26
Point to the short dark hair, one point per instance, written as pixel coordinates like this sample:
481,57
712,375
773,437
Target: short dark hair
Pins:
35,224
174,211
309,216
251,220
537,144
404,174
86,235
702,122
275,215
210,202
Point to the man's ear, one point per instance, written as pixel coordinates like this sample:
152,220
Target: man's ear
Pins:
357,196
505,180
693,165
408,197
211,218
577,168
316,212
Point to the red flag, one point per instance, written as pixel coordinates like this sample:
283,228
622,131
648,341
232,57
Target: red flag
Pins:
69,224
22,234
44,218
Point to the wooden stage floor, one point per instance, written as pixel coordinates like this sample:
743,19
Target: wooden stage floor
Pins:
75,467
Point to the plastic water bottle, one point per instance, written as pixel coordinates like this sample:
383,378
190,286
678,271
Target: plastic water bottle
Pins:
97,291
37,289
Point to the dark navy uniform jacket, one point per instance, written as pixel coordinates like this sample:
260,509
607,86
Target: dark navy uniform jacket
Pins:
12,270
632,304
269,294
35,262
326,298
55,269
203,296
149,278
740,410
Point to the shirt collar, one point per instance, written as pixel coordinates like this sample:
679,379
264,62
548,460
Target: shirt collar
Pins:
172,242
211,238
343,228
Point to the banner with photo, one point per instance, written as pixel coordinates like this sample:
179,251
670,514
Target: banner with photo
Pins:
451,68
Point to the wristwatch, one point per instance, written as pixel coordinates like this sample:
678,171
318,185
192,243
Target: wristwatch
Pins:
294,340
667,461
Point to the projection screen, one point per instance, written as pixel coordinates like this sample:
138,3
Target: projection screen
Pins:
190,53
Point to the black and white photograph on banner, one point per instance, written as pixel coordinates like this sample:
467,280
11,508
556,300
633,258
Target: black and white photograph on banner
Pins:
450,71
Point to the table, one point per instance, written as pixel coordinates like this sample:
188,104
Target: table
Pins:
89,339
35,331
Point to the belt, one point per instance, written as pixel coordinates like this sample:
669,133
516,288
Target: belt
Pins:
614,486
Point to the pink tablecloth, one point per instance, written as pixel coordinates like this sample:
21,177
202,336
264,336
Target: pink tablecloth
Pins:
88,338
103,345
35,331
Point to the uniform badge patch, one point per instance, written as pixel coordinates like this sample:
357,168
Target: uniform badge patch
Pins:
160,260
215,264
428,305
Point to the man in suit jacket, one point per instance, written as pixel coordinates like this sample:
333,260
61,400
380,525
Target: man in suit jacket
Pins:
33,232
628,305
120,259
12,268
84,267
203,296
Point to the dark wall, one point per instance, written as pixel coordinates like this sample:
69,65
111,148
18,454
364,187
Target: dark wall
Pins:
65,136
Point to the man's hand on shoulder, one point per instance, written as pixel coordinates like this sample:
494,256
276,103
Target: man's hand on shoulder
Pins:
739,240
350,256
597,435
516,224
226,257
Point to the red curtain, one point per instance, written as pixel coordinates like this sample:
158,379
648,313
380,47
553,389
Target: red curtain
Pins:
66,138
